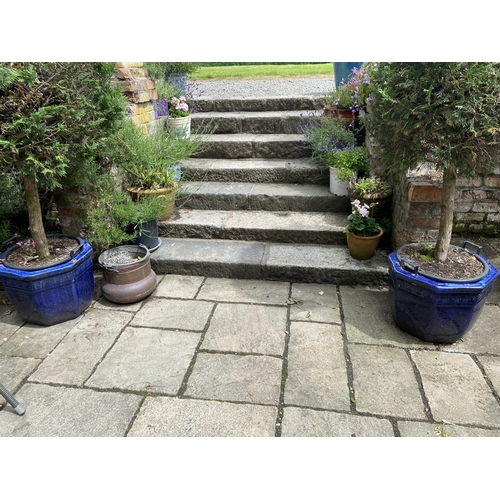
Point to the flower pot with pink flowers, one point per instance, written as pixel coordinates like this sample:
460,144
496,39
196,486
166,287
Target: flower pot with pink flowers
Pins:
179,119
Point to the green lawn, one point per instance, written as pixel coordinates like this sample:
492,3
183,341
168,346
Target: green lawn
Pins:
264,70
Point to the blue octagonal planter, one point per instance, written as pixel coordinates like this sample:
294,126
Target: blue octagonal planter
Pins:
51,294
433,310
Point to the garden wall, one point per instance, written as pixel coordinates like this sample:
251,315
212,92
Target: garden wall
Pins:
416,206
133,79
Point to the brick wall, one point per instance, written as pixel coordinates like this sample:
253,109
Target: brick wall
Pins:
134,81
416,208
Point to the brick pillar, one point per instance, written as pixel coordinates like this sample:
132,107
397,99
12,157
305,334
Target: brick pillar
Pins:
140,89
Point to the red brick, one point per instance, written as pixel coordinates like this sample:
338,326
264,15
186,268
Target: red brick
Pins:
424,192
424,223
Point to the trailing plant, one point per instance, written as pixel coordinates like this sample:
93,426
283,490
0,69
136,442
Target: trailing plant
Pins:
445,114
53,117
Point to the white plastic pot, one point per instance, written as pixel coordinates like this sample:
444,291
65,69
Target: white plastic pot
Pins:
337,186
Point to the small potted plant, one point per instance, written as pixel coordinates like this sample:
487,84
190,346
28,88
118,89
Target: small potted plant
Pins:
363,232
339,105
179,119
150,161
373,191
335,146
350,99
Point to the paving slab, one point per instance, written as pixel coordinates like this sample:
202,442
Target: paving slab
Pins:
384,382
424,429
369,319
247,328
104,303
178,286
74,359
36,341
173,417
146,359
227,377
250,291
313,302
317,373
11,321
456,389
13,371
188,315
304,422
483,337
69,412
491,365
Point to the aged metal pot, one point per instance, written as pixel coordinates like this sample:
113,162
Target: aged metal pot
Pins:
127,274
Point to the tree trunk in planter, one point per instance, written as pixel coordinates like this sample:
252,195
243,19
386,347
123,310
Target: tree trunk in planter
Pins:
35,216
446,220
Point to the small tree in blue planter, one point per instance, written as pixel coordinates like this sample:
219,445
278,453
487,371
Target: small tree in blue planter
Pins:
446,114
52,119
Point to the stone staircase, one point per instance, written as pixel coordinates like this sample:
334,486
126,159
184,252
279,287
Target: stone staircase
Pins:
255,206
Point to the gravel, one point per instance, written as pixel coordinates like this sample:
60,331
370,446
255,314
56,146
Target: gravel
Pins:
277,87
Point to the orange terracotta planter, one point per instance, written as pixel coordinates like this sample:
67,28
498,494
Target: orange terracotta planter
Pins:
362,247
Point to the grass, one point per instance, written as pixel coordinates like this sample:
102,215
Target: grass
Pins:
264,71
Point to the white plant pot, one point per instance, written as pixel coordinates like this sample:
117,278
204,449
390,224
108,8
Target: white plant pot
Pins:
180,126
337,186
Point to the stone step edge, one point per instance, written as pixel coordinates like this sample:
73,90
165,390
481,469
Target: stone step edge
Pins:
268,261
260,225
258,104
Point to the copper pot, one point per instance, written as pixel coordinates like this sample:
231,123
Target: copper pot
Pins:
127,274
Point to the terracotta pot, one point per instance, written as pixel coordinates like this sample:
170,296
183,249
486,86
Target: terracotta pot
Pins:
362,247
342,114
168,193
127,282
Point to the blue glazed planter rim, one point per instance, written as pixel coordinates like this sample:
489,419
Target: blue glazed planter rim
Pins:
444,286
81,251
405,265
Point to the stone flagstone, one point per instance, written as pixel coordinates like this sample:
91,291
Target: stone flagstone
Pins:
456,389
74,359
317,374
69,412
146,359
303,422
384,382
247,328
226,377
173,417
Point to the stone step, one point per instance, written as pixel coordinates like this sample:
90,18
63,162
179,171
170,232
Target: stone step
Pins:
253,146
252,170
259,104
252,122
247,225
268,261
265,196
